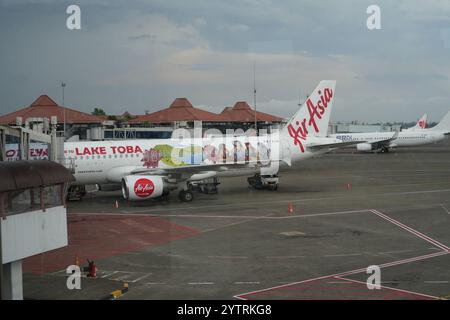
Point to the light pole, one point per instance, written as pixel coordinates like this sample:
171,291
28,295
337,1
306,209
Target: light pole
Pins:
254,97
63,85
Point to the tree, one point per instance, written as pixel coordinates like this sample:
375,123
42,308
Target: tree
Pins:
98,112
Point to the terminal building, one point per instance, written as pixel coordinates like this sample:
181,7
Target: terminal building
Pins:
33,217
76,125
355,127
38,115
182,114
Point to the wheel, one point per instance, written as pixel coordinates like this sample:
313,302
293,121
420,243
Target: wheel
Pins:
164,197
186,195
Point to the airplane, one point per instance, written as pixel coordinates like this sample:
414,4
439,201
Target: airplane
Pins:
146,169
384,141
420,125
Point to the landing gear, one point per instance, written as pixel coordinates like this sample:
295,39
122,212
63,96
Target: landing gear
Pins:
207,186
384,150
263,182
165,196
186,195
76,192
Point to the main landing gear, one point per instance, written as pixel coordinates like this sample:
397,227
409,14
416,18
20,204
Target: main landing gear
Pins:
76,192
207,186
186,195
263,182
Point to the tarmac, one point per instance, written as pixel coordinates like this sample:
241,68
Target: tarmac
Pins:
350,211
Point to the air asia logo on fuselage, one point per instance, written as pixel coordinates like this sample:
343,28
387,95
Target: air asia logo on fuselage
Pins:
422,124
315,111
144,188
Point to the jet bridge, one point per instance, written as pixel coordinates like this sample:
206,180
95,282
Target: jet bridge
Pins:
32,216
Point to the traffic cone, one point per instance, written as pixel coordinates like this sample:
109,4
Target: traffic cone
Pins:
290,208
117,204
77,261
92,269
349,186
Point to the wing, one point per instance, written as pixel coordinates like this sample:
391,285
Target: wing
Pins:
194,169
384,143
333,145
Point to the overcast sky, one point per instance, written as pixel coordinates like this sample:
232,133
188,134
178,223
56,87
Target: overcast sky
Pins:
138,56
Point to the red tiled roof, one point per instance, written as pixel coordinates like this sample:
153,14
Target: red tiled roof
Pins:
181,103
45,107
180,110
242,112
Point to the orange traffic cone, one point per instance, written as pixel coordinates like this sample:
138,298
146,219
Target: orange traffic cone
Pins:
290,208
77,261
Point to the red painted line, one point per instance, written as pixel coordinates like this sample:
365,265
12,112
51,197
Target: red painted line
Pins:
278,287
385,265
411,230
445,251
389,288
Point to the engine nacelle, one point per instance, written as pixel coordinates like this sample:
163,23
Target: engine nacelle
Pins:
138,188
364,147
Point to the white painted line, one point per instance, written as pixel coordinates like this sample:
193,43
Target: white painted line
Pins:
255,203
140,278
228,257
247,282
396,263
200,283
285,257
229,216
411,192
437,281
389,288
445,208
109,274
389,264
60,272
411,230
343,255
397,251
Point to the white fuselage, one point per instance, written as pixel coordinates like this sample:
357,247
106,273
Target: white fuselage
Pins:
404,139
101,162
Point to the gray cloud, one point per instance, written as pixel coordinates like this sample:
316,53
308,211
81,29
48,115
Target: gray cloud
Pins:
141,55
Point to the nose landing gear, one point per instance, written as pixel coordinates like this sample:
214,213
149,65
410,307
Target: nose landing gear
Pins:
263,182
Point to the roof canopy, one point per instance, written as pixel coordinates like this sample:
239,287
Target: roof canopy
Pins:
181,103
242,112
46,107
180,110
19,175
